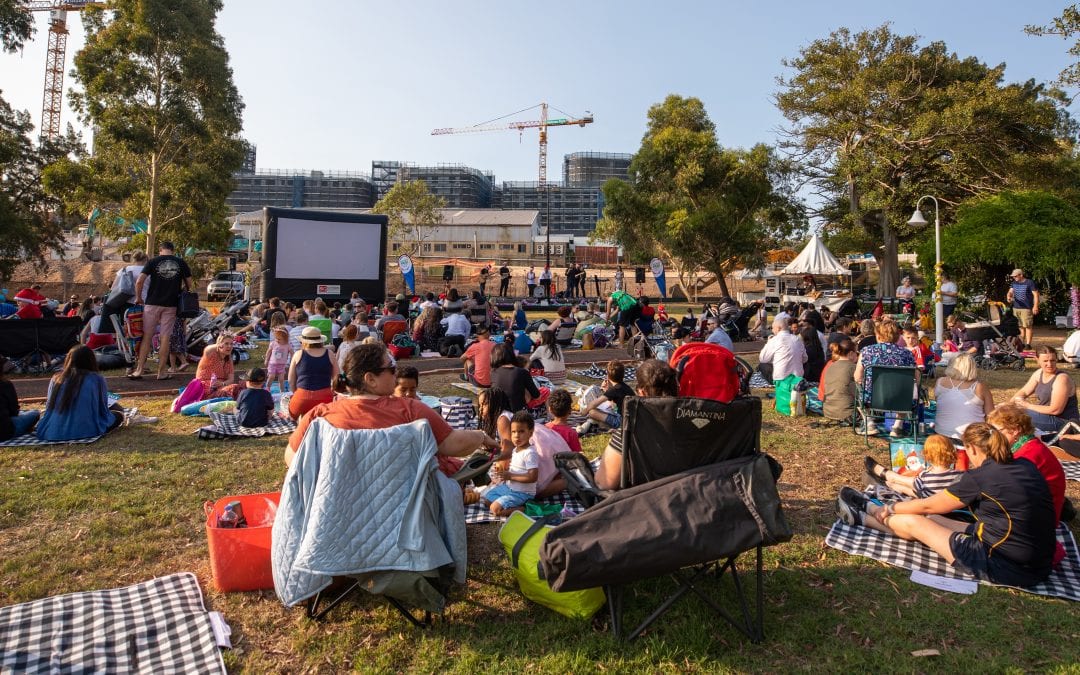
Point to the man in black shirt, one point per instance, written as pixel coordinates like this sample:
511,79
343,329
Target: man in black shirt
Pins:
167,275
504,281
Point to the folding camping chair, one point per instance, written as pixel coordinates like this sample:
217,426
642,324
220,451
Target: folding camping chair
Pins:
33,343
699,453
409,551
894,389
392,328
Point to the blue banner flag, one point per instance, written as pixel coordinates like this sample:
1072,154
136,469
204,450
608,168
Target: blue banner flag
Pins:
657,267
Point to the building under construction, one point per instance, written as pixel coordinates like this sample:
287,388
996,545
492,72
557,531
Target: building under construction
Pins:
570,208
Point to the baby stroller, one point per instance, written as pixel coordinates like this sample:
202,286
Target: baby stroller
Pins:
996,336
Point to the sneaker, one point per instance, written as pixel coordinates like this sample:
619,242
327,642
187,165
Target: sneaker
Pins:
871,429
850,506
142,419
584,428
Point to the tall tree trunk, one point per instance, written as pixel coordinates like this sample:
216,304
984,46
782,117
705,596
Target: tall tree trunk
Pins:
152,215
888,263
721,281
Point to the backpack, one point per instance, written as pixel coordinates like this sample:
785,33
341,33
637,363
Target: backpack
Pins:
639,347
706,370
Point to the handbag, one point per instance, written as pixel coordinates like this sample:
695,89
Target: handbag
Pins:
122,291
187,305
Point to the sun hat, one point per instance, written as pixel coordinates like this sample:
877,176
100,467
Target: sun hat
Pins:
312,336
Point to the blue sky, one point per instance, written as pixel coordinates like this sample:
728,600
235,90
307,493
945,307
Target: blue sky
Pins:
334,85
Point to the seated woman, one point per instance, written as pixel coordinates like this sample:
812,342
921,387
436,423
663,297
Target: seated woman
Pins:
647,317
13,422
369,381
866,335
1016,426
520,320
961,398
427,329
1054,392
564,326
312,372
1012,542
654,378
508,375
837,387
815,353
453,302
884,352
550,357
216,370
77,403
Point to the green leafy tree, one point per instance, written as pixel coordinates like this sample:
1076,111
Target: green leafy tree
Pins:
30,222
414,213
877,121
1067,27
159,92
1036,231
694,203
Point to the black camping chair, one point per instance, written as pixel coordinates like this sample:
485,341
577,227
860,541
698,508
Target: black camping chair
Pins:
33,343
700,493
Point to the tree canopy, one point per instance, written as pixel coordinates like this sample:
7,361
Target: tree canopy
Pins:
1066,26
158,90
1035,231
694,203
876,121
414,213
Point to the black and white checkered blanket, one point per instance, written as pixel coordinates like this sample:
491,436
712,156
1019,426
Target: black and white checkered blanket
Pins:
595,372
475,513
159,626
32,439
912,555
225,425
1072,470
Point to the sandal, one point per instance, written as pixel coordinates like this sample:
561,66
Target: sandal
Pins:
163,377
133,376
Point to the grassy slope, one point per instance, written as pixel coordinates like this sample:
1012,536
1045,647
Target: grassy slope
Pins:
129,507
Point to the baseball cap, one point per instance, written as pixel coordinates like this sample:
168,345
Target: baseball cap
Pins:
1017,272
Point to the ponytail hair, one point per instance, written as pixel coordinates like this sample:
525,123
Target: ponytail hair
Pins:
989,440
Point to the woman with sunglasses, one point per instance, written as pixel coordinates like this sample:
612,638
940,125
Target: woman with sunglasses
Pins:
367,382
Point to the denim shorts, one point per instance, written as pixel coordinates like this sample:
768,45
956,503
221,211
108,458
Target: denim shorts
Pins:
613,420
506,496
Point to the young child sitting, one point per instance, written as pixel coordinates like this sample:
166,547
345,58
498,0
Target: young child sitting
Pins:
559,405
519,479
940,454
407,380
254,404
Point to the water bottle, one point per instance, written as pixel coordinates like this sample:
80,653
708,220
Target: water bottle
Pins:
228,519
213,382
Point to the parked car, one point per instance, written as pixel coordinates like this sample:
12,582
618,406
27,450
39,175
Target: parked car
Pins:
224,285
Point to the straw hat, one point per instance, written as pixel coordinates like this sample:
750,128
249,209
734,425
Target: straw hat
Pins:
312,336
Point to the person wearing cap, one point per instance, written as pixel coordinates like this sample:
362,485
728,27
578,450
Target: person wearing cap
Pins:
166,275
1024,298
311,373
215,370
71,307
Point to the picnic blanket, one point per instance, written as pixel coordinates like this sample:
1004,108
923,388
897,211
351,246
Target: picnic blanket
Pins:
912,555
758,381
32,439
595,372
226,425
158,626
1072,470
475,513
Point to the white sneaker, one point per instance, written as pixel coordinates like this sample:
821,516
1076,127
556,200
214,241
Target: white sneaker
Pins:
142,419
871,429
584,428
897,430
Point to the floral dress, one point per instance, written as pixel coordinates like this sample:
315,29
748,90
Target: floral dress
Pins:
882,355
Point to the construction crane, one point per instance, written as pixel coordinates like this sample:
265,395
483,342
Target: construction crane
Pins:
542,124
52,102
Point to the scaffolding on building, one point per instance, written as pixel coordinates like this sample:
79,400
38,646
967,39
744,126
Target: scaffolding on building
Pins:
288,188
592,169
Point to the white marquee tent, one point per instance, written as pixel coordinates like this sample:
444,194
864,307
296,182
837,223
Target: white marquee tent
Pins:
815,259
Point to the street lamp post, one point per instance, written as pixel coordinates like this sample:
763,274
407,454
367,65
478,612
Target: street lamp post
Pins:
917,219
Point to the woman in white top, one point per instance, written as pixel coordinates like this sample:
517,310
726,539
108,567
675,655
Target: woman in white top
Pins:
549,354
961,398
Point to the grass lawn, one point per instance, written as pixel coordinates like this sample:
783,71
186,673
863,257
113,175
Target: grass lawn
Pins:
129,508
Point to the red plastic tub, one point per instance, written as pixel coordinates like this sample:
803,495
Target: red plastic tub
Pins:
240,559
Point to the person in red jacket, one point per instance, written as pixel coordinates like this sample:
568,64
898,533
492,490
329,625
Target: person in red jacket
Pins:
1013,423
30,302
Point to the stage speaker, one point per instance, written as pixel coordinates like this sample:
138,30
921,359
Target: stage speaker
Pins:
448,273
639,275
